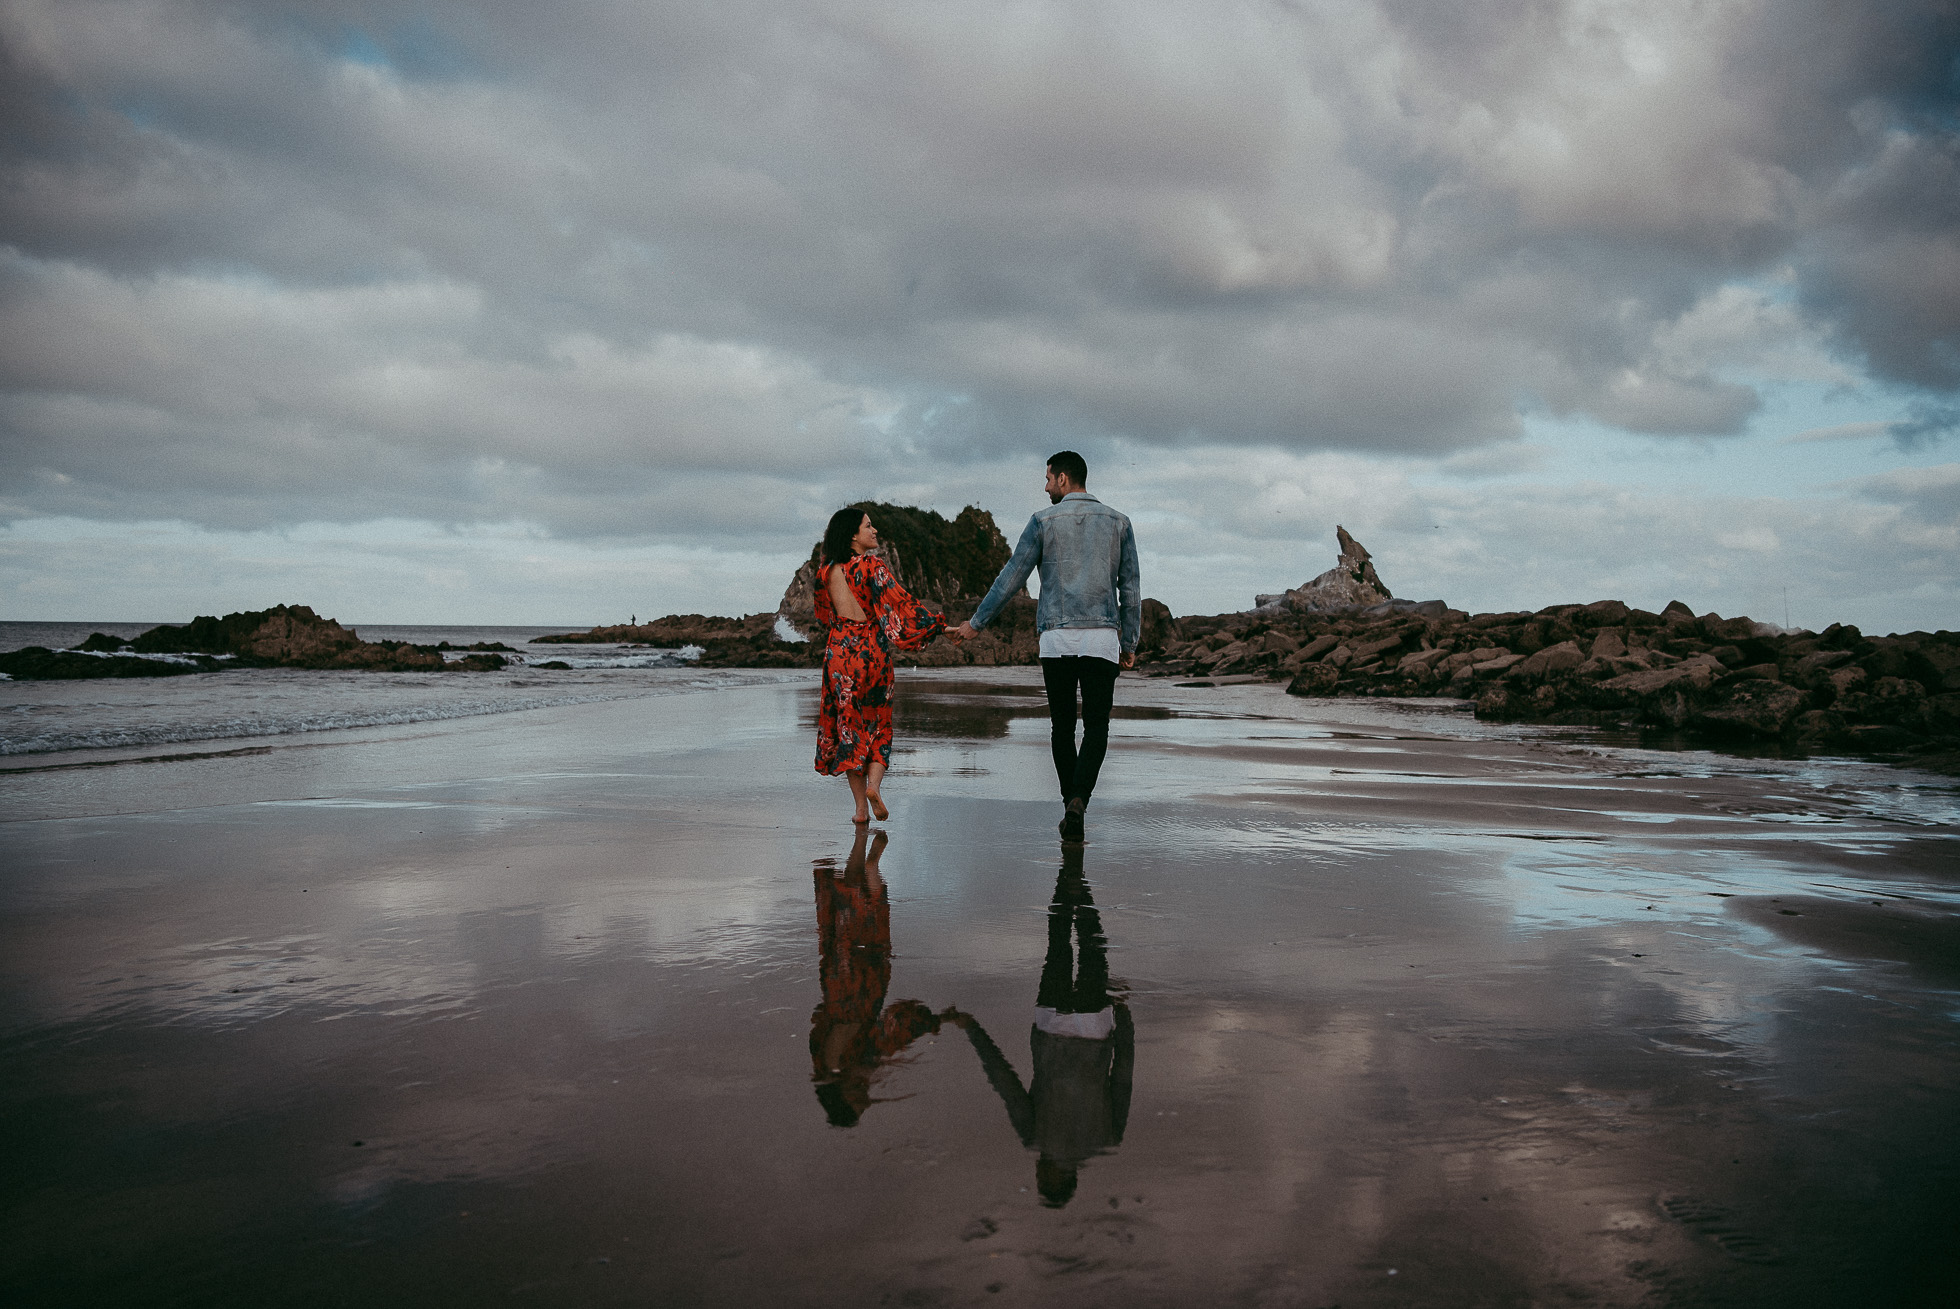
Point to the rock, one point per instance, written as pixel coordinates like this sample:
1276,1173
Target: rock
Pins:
1158,627
1228,659
1753,707
1318,647
1369,651
1757,672
1314,679
37,663
284,636
1421,661
1889,701
1560,658
1350,584
948,564
1663,696
1817,725
1601,613
1278,643
1944,660
1493,667
1609,643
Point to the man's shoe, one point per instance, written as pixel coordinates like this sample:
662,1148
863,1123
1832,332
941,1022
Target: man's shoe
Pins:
1072,820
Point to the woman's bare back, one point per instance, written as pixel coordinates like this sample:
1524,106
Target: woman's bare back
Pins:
841,599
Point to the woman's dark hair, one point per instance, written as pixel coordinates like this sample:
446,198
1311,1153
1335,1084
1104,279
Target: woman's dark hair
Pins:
844,525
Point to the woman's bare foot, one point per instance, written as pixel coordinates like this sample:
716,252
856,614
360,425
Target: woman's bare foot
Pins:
860,816
877,803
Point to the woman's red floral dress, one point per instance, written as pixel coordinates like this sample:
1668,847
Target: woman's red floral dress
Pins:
854,718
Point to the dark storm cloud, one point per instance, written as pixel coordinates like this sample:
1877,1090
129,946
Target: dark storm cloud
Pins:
591,264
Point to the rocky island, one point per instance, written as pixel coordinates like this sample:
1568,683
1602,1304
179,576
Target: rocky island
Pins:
284,636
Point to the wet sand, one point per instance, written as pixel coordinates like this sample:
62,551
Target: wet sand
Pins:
562,1007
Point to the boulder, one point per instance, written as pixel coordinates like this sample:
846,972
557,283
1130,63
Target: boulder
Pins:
1753,707
1560,658
1314,679
1609,643
1668,696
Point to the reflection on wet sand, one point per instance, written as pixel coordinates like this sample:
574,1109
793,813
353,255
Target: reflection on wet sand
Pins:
1083,1043
853,1032
1432,1014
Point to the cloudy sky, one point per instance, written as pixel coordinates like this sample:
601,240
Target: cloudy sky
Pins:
421,311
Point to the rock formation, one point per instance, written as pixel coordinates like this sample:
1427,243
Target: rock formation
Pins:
285,636
1710,678
1350,584
949,565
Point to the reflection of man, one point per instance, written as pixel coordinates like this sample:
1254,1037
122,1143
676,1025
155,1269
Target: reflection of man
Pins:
1084,1046
1089,616
851,1036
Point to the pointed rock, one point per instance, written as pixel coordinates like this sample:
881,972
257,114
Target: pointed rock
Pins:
1350,584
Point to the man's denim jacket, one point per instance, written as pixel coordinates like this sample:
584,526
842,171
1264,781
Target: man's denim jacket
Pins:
1088,560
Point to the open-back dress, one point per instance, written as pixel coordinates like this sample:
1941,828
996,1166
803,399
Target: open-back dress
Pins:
854,717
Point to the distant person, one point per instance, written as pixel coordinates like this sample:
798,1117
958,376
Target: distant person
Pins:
1090,615
869,616
853,1032
1077,1102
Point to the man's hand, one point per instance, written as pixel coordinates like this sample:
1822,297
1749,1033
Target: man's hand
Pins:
963,633
1129,659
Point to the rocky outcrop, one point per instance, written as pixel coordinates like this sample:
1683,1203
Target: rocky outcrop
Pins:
1350,584
1711,678
948,564
285,636
748,642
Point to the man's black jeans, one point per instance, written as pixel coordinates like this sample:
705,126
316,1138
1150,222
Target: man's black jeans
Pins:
1077,769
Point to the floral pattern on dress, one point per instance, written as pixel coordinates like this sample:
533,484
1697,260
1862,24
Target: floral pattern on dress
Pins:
854,717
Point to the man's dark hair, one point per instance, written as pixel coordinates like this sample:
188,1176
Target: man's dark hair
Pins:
844,525
1070,465
1055,1181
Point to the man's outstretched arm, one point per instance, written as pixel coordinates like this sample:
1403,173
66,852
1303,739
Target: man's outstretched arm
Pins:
1013,576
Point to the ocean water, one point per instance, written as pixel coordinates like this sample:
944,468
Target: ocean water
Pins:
125,713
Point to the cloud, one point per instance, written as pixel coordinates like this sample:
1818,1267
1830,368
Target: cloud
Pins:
680,273
1841,432
1928,495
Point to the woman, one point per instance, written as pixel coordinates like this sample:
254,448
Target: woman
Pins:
854,1033
869,615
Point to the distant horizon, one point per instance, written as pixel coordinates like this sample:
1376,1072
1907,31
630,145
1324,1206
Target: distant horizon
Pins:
583,626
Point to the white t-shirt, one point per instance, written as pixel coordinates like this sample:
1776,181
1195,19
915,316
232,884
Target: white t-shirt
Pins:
1093,1026
1089,642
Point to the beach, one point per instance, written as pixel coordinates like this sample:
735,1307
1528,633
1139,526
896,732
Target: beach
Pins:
525,1004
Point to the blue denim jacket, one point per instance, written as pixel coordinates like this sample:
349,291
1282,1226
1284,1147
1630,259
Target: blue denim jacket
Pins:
1088,560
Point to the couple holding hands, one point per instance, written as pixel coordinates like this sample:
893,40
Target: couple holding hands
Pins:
1089,617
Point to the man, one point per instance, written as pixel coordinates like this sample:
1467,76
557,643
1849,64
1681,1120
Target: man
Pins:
1077,1101
1089,616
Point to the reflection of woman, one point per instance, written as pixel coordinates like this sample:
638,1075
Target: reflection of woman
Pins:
869,615
851,1036
1084,1045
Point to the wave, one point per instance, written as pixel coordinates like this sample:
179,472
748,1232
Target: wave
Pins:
681,658
111,736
